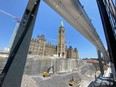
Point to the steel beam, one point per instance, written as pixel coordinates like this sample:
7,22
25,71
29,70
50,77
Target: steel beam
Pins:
109,33
100,62
72,11
11,75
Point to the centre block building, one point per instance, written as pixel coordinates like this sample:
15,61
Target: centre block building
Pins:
40,47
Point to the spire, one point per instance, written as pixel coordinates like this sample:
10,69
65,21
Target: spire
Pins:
61,24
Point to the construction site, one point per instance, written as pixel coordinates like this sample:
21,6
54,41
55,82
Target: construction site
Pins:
49,72
28,62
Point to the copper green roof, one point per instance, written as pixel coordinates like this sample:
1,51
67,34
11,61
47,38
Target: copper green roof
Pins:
61,24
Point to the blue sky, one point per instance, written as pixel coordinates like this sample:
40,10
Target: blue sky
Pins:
48,22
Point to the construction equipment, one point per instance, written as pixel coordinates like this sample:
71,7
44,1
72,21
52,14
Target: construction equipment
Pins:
4,12
18,20
47,73
72,82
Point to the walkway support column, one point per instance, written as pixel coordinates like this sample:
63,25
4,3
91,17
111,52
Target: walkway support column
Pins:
109,33
100,62
12,73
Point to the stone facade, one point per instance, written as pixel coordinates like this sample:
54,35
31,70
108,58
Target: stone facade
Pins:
72,53
40,47
61,51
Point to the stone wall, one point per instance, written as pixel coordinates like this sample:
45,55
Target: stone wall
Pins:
37,65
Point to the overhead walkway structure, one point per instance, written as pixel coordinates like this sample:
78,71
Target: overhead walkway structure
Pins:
107,12
73,12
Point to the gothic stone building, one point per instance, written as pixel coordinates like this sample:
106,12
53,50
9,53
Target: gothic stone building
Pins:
40,47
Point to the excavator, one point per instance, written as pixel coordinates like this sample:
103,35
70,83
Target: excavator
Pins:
47,73
72,82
